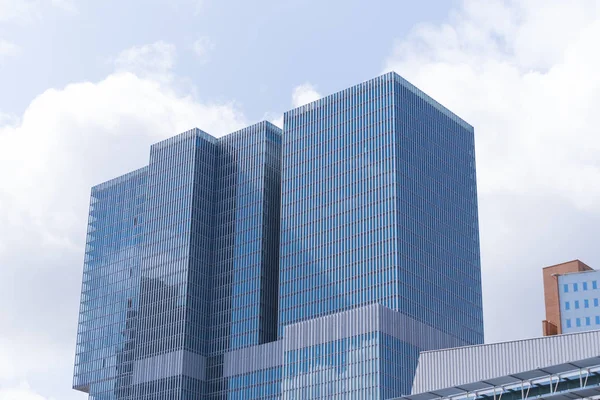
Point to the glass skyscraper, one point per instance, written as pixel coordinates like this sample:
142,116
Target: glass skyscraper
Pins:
316,262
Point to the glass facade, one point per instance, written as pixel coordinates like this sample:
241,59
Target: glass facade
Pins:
313,263
262,384
246,259
244,286
372,365
379,205
110,293
337,369
179,209
181,264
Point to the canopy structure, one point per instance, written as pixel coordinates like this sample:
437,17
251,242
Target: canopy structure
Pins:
573,380
551,367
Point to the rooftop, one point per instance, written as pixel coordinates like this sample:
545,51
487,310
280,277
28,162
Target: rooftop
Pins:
460,370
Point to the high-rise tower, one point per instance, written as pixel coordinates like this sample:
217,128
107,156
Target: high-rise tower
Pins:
316,263
181,264
379,207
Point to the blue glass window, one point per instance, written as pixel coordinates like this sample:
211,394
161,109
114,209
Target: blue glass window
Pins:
587,321
568,323
576,304
596,302
585,285
567,305
578,322
594,284
566,288
597,319
575,287
586,303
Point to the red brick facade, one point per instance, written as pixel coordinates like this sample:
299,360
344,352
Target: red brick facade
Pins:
551,325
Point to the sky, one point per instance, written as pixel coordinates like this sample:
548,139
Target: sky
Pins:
86,87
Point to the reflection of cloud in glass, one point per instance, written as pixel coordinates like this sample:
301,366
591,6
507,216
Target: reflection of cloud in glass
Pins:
333,368
111,272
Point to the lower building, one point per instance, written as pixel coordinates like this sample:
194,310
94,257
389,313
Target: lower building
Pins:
553,367
572,298
365,353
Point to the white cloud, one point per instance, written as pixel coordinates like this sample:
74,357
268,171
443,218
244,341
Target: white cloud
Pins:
301,95
60,127
278,121
274,118
535,111
304,94
154,61
524,75
203,47
8,48
66,141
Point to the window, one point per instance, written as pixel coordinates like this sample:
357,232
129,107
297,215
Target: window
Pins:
576,304
586,303
597,319
575,287
595,302
594,285
584,285
567,305
569,323
587,321
566,288
578,322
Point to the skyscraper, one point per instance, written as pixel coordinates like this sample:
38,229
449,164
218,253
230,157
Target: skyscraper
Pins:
379,206
181,263
316,263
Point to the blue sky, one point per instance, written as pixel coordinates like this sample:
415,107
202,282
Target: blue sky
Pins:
86,87
262,49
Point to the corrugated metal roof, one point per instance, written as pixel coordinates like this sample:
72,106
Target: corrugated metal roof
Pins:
576,371
458,366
